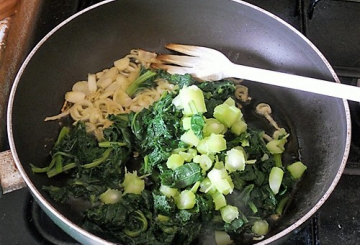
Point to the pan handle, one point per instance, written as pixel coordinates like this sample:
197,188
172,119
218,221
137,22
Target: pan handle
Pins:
10,178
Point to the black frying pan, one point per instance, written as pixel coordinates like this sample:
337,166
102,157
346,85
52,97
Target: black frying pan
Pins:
94,38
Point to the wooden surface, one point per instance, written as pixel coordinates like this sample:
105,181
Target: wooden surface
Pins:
10,177
7,8
15,44
15,32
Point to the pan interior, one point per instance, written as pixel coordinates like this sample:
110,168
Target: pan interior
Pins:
93,40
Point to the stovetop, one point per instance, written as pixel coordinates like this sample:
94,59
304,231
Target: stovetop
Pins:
334,27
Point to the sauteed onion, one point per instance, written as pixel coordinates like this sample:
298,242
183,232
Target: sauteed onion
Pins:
104,93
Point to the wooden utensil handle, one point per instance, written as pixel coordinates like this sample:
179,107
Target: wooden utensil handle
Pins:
10,177
7,8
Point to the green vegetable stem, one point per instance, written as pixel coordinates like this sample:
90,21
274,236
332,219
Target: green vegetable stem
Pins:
136,85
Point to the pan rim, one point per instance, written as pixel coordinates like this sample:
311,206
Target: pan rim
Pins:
87,235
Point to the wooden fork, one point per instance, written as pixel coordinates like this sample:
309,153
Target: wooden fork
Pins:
211,65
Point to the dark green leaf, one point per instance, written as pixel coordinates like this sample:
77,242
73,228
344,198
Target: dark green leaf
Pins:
163,204
182,176
180,80
197,125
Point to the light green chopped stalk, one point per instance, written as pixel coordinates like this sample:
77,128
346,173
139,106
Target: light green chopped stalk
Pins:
280,133
162,218
227,114
190,138
191,100
177,150
192,108
110,144
235,160
192,152
35,169
213,157
194,95
168,191
230,101
63,132
222,238
245,142
213,126
195,187
296,169
207,187
275,179
239,126
204,161
78,182
229,213
219,164
276,146
189,155
264,157
212,144
186,123
260,227
251,161
62,154
58,164
146,164
111,196
230,181
186,200
278,160
100,160
52,172
253,207
221,180
281,205
202,146
175,161
92,198
216,143
219,200
186,156
132,183
243,217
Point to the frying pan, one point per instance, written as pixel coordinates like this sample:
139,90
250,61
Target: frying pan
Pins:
92,39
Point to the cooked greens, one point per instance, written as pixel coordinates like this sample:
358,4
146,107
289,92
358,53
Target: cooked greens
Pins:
176,172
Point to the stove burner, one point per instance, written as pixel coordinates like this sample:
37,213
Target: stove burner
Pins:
47,229
353,164
311,8
313,3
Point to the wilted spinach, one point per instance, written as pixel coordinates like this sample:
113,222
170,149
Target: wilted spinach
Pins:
153,134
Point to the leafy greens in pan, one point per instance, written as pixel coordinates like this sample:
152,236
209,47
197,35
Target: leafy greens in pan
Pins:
177,171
